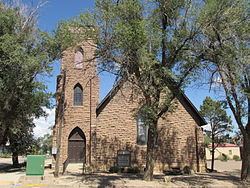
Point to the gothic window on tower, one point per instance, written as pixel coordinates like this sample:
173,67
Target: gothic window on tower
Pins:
78,95
78,61
142,132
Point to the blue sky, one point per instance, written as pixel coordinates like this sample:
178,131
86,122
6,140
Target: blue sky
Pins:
57,10
50,15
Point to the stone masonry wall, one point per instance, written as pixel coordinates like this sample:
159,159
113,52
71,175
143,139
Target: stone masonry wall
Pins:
117,130
180,139
82,116
177,141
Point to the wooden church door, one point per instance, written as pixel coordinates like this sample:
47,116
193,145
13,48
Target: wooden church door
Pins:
77,146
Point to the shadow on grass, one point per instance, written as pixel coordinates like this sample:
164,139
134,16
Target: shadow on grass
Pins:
106,179
235,172
109,179
8,168
207,179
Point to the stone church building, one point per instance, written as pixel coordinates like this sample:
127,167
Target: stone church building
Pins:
108,133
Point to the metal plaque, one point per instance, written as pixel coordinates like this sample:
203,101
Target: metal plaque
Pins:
123,158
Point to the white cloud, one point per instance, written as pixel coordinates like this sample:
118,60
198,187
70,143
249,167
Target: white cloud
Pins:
43,124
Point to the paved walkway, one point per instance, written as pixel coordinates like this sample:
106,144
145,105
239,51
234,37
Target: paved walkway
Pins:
9,176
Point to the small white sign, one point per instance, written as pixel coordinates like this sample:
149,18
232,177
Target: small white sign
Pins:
54,151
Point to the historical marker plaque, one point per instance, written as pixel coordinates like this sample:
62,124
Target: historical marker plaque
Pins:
123,158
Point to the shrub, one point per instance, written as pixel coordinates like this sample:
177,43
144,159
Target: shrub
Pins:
114,169
236,157
88,169
187,170
133,170
5,155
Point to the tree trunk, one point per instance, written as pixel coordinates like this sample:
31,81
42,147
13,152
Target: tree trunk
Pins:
15,161
212,162
150,159
245,169
59,123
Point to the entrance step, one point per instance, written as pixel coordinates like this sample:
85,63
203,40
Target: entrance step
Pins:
74,169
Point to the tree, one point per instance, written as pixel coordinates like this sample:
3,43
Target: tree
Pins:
207,140
225,53
25,56
155,55
215,114
236,138
45,143
146,43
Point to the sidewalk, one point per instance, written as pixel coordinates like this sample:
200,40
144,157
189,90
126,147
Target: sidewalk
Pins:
9,176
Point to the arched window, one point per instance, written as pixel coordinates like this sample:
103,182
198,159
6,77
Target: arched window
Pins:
78,61
142,132
78,95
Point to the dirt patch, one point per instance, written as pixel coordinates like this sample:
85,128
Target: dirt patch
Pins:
160,180
228,176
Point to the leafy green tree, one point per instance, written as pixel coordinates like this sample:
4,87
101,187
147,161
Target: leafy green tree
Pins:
146,43
156,45
225,54
153,52
236,138
45,143
220,123
207,140
25,57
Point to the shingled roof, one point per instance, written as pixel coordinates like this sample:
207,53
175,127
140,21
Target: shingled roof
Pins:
184,100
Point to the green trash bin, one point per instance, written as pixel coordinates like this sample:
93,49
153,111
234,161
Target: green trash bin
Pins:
35,165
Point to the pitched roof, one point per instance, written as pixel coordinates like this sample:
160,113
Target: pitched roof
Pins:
184,100
109,96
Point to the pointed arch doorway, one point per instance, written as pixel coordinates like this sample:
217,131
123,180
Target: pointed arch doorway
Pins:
77,146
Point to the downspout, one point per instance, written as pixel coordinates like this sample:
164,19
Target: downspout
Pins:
197,150
90,119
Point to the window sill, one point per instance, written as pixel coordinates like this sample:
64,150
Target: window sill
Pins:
141,145
77,106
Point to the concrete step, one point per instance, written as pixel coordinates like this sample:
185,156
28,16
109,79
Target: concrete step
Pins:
74,169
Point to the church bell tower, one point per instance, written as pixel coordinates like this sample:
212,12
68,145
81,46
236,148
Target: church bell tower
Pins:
77,98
